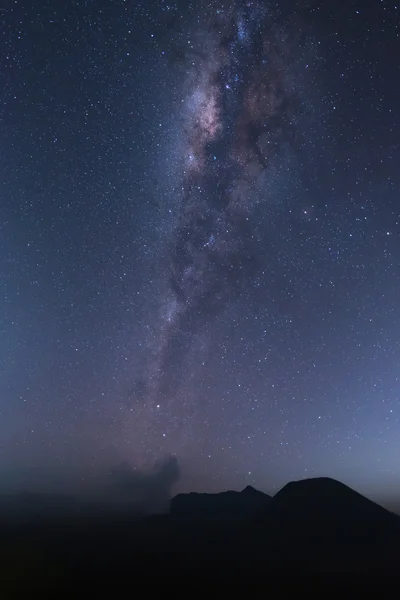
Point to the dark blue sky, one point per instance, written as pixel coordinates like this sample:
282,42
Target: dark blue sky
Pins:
199,234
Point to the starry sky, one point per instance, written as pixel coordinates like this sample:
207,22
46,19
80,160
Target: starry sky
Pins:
199,234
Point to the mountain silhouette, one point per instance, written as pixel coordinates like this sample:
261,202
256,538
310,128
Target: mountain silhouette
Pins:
323,519
225,505
329,502
313,497
312,526
30,505
308,522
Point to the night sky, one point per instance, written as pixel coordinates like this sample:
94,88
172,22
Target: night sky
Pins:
199,242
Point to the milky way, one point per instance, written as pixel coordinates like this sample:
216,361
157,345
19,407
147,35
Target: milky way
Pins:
238,114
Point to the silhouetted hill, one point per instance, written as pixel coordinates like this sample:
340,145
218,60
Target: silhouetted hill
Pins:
323,519
315,526
315,497
225,505
29,505
325,500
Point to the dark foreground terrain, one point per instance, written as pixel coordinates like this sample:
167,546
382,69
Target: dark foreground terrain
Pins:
315,526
